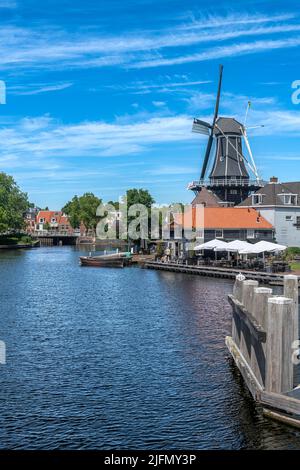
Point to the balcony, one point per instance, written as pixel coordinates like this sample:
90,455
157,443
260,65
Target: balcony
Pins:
228,182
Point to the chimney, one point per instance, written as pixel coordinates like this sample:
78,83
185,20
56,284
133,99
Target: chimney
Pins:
273,179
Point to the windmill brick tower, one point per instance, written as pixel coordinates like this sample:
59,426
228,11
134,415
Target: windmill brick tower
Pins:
229,177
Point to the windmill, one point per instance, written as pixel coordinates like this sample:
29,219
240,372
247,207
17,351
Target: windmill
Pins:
229,174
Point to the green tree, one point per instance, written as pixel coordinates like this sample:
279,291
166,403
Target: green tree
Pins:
139,196
13,204
83,209
72,209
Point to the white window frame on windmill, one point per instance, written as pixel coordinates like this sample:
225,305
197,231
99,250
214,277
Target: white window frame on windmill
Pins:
2,92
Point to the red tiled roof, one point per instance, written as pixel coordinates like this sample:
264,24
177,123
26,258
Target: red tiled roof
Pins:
226,218
61,219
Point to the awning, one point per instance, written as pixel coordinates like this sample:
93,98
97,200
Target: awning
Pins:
212,245
262,247
235,246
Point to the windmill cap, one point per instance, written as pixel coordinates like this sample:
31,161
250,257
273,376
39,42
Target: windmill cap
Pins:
228,126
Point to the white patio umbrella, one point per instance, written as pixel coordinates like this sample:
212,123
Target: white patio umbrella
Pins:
262,247
235,246
212,245
268,246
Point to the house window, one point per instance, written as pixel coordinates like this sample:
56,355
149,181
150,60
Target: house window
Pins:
298,223
257,199
250,233
53,220
233,191
42,220
219,234
288,218
289,199
200,234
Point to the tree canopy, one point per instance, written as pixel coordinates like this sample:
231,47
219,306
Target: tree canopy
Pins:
139,196
13,204
83,209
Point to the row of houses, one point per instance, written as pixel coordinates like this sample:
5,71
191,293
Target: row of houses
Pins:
41,221
272,213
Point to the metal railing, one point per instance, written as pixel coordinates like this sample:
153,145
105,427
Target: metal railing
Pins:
52,233
226,182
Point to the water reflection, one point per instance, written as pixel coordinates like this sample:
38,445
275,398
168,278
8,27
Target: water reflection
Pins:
120,358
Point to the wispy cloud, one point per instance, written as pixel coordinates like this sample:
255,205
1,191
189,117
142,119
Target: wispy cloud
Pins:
232,50
165,85
36,89
44,137
158,104
54,48
9,4
172,170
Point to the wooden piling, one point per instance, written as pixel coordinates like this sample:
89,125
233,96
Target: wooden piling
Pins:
238,287
264,329
247,301
291,291
260,305
281,330
258,349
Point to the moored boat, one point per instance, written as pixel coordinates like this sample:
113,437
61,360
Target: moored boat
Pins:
115,260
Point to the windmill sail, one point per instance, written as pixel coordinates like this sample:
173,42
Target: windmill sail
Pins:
210,140
201,127
228,178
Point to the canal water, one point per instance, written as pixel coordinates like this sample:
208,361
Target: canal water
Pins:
120,359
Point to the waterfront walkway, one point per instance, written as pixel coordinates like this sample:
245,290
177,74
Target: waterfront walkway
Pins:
266,278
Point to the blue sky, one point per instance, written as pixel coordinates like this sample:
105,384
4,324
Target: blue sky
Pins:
101,94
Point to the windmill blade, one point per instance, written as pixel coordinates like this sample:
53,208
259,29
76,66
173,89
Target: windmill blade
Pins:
201,127
218,96
210,140
207,153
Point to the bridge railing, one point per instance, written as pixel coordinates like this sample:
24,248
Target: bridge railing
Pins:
54,233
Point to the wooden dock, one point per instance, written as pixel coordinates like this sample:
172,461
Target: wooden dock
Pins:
265,347
230,273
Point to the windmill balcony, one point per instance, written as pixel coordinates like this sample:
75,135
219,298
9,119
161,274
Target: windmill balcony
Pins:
232,182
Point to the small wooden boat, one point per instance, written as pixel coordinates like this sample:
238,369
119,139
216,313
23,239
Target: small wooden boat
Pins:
115,260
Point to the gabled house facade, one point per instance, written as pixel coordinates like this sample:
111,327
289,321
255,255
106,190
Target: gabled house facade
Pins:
225,223
30,219
279,203
52,221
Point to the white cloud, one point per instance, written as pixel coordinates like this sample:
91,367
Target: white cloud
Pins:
158,104
56,49
9,4
171,170
222,52
168,85
40,139
39,88
43,137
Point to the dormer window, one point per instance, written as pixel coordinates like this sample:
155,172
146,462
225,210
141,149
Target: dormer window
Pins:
257,199
289,199
42,220
53,220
